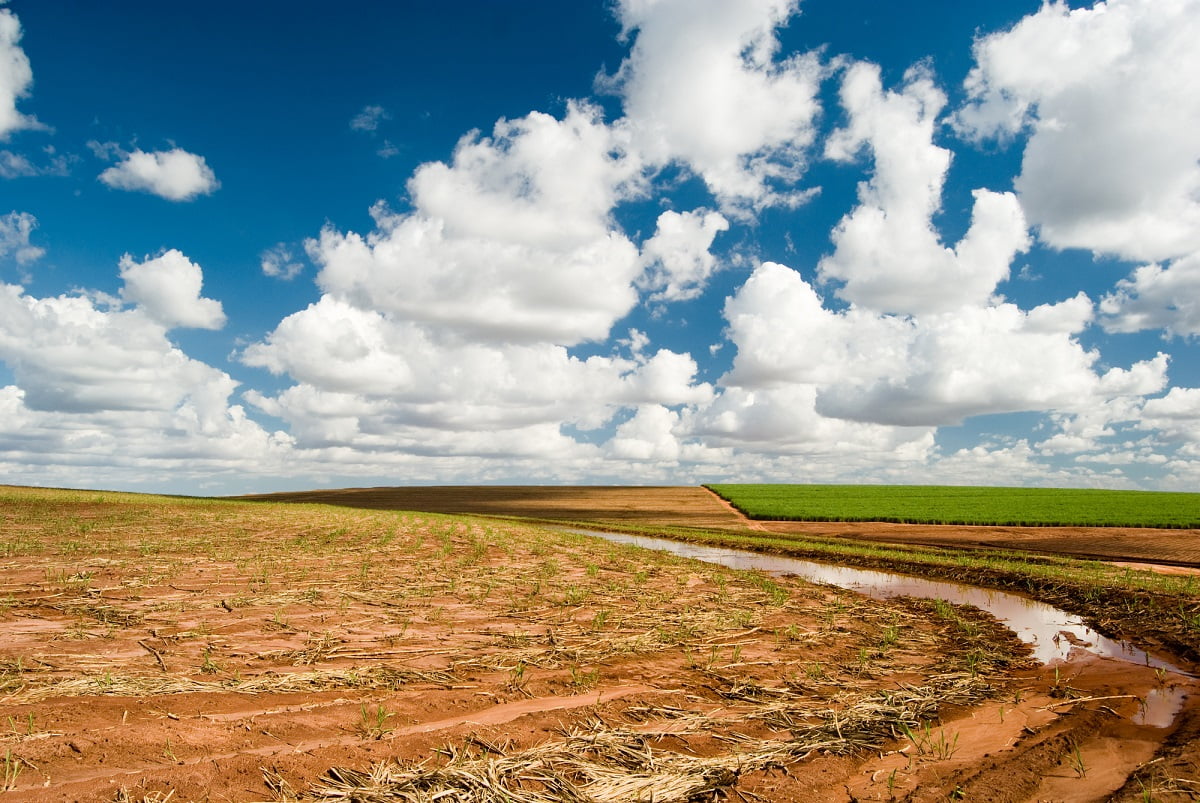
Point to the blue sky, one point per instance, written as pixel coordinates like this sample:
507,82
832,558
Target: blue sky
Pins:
285,245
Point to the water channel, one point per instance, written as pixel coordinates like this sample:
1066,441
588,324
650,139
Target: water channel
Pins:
1054,635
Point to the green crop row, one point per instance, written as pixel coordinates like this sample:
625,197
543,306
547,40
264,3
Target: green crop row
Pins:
944,504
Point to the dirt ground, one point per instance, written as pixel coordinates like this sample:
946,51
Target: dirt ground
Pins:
187,650
668,506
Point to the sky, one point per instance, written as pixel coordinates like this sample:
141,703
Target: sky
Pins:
277,246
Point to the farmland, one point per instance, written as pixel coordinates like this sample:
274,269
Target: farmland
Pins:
157,648
1155,607
933,504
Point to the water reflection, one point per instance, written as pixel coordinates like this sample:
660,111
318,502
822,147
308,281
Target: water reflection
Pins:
1159,707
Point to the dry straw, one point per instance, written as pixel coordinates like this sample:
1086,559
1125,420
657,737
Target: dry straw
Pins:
597,763
376,677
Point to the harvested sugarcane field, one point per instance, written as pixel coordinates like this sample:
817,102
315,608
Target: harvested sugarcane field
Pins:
167,648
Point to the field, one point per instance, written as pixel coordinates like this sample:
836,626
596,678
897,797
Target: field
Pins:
670,506
654,508
934,504
160,648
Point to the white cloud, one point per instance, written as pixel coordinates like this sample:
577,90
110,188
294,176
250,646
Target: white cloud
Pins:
17,165
279,262
909,372
972,362
677,257
925,342
1110,96
887,252
1003,464
16,77
100,391
1142,379
368,380
446,330
1156,297
15,230
1176,416
70,355
175,174
164,450
512,241
167,288
1100,416
783,420
106,151
647,436
785,335
369,118
704,86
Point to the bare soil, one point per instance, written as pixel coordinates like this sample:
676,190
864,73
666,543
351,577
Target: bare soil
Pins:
183,650
673,506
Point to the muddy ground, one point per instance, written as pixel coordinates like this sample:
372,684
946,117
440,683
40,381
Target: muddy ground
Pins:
225,651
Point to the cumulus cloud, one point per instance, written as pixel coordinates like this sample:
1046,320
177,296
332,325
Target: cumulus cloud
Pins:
924,342
969,363
647,436
887,253
1114,408
1156,297
156,449
785,334
71,355
15,230
16,77
167,289
677,257
447,330
511,241
367,379
704,87
882,369
1175,416
1110,98
176,175
1006,463
279,262
783,420
99,385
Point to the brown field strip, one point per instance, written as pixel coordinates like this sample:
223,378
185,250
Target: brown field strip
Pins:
672,506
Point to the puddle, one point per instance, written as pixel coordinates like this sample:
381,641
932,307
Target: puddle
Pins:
1053,634
1160,706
